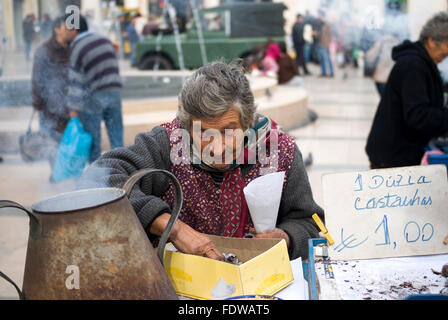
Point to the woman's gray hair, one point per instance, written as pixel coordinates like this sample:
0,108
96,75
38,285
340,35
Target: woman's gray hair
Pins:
214,89
436,28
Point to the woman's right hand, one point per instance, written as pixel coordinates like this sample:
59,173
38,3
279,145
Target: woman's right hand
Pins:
186,239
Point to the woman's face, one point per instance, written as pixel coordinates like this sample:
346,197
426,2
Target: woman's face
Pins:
220,139
437,51
62,34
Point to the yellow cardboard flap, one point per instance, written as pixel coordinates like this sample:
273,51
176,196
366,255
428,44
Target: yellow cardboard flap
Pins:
265,270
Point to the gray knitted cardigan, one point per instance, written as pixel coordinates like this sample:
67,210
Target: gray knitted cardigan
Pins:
152,150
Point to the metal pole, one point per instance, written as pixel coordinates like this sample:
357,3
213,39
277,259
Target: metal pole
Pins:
172,14
158,42
199,29
114,10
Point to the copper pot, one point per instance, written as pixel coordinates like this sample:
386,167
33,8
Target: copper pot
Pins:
89,244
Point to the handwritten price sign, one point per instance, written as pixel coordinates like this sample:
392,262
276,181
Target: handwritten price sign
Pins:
387,213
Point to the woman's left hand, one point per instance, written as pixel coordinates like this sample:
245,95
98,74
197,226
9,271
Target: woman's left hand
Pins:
276,234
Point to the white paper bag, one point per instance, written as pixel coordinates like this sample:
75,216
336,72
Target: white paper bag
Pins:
263,197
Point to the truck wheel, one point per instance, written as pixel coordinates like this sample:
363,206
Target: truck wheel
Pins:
149,63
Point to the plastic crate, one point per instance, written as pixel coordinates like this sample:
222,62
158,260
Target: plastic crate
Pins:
438,159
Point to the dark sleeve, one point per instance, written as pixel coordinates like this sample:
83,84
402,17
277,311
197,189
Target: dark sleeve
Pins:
418,110
295,34
151,150
296,208
40,65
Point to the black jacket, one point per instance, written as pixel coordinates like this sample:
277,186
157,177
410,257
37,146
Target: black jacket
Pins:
297,34
411,111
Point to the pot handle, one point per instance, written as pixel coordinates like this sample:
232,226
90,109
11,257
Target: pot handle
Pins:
4,276
178,199
11,204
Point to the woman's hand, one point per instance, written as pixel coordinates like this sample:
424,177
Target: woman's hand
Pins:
190,241
276,234
186,239
73,114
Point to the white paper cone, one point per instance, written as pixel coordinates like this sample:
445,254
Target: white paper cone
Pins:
263,197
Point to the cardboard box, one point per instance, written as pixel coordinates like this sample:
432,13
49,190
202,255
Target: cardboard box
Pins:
266,269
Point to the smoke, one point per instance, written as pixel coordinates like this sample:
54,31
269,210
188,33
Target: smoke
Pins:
15,93
368,20
95,176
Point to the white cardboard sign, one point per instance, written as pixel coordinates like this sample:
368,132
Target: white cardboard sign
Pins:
387,213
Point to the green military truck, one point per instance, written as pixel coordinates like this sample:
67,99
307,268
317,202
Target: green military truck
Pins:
229,31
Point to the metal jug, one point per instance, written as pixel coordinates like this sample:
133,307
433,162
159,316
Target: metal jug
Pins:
89,244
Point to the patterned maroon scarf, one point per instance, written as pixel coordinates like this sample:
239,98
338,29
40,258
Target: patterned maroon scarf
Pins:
235,209
234,206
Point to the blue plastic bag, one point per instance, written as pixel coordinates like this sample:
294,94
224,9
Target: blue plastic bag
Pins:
73,153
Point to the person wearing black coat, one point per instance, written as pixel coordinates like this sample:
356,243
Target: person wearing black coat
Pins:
299,43
411,111
28,27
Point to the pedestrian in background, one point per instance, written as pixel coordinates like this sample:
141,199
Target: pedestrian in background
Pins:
139,23
380,55
316,27
95,86
299,44
347,37
46,28
270,61
287,67
325,37
308,37
151,26
411,111
2,53
29,31
134,38
49,85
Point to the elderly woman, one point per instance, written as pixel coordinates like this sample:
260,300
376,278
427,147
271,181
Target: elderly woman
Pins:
213,171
